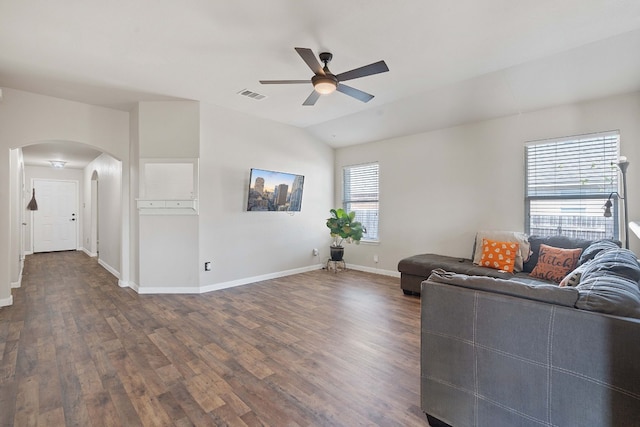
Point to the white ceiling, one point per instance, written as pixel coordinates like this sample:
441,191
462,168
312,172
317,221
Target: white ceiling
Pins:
450,61
76,155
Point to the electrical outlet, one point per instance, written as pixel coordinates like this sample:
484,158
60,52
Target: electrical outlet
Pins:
315,252
207,266
375,258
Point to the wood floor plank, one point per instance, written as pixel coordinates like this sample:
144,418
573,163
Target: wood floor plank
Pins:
27,409
54,417
314,349
125,409
101,409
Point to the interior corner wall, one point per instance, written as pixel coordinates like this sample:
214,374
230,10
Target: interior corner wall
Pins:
27,118
437,189
248,246
109,171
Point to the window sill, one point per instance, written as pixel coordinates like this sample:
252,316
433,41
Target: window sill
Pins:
370,242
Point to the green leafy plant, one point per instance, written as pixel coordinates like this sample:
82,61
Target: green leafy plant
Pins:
344,227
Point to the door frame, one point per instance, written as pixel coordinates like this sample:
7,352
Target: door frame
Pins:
77,205
94,248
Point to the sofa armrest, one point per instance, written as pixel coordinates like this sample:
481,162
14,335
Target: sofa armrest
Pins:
552,294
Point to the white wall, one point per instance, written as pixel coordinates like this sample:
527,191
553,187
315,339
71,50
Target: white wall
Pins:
244,246
168,244
169,129
41,172
17,216
109,171
438,188
27,118
134,222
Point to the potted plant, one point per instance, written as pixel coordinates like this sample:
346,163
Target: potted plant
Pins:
343,227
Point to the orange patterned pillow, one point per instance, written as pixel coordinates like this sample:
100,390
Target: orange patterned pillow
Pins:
499,255
555,263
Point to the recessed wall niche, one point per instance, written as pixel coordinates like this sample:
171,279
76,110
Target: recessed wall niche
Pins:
168,187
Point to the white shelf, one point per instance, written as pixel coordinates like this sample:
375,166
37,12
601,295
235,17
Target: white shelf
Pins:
167,207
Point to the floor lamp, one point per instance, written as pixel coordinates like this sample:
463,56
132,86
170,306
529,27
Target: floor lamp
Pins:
622,164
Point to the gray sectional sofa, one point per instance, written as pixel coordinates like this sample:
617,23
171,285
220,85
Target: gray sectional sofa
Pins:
503,352
495,353
416,269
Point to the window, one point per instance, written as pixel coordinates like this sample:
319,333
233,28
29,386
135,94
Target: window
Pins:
360,195
568,181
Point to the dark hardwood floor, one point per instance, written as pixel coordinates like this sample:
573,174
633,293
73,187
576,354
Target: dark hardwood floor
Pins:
314,349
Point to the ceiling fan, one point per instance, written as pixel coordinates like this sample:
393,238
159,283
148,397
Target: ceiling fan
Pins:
324,82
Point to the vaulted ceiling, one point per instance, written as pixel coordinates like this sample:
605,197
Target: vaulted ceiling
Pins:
450,61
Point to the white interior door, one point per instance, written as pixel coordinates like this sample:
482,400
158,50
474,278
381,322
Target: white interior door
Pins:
55,223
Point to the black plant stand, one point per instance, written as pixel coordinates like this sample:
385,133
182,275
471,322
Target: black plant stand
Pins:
336,266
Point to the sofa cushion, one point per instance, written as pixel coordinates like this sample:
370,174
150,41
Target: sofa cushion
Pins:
616,261
505,236
609,284
499,255
609,294
555,241
422,265
573,278
555,263
596,247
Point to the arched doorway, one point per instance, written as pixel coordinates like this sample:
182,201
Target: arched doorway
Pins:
100,178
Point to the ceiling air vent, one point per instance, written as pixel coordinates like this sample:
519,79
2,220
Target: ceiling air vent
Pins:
252,95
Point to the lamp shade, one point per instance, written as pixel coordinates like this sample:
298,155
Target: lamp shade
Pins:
607,208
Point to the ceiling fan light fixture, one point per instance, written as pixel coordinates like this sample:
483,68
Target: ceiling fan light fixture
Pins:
324,85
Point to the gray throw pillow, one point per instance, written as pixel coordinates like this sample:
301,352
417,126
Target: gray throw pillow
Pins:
609,284
616,261
573,279
595,248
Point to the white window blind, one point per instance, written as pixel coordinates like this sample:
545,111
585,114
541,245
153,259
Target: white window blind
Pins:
568,181
360,194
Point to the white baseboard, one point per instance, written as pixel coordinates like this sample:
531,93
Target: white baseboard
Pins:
6,301
88,252
28,253
109,268
132,285
244,281
17,284
168,290
218,286
247,280
374,270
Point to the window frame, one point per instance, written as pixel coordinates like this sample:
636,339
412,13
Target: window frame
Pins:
610,139
346,202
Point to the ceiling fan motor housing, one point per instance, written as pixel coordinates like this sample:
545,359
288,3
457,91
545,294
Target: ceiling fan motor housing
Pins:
325,57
